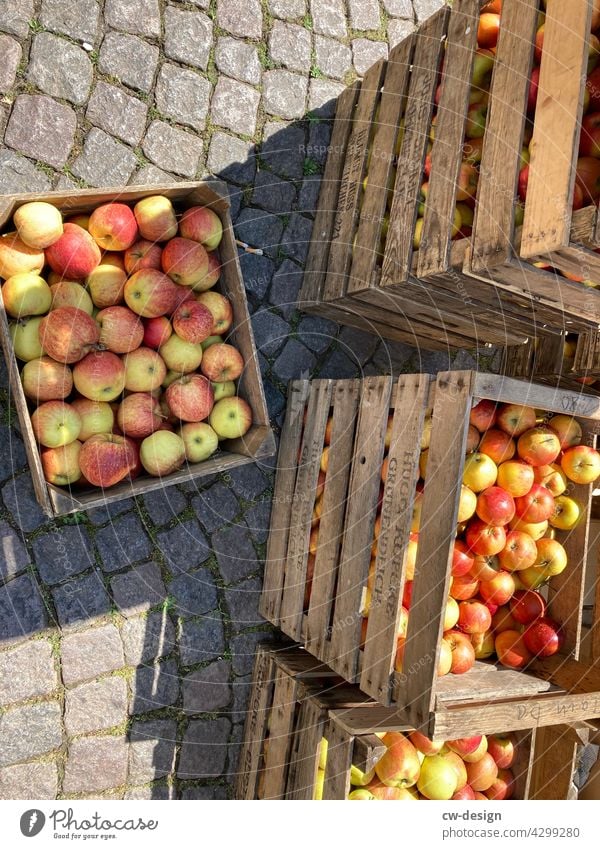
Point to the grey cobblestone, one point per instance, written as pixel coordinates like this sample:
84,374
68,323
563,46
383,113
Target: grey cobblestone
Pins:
238,59
147,637
259,229
62,554
206,794
272,193
240,18
364,14
332,58
97,706
14,554
322,97
104,161
399,8
81,600
287,9
244,650
296,237
257,517
15,16
22,609
29,781
44,733
194,593
242,601
129,59
286,286
283,149
248,481
183,95
27,671
183,547
163,504
425,8
41,128
329,17
122,542
118,113
294,359
366,52
235,106
235,553
154,686
232,158
270,332
89,653
284,94
140,17
78,20
398,30
188,37
95,764
17,175
139,589
201,640
172,149
257,272
290,46
215,507
204,752
149,175
59,68
10,56
151,750
207,689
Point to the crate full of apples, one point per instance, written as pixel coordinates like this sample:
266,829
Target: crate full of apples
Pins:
130,357
435,534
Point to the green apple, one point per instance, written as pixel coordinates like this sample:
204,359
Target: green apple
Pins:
212,340
231,418
68,293
96,417
180,355
25,335
38,224
26,294
200,441
438,778
162,452
55,424
223,390
61,465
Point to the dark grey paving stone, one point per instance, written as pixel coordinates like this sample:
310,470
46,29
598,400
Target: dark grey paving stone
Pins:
183,547
19,498
319,138
270,331
201,640
162,505
29,781
274,398
22,610
285,288
248,481
242,687
63,552
87,654
207,794
148,637
283,148
309,194
81,600
95,764
296,237
339,366
259,229
15,558
122,542
257,273
194,594
207,689
29,731
258,519
215,507
294,361
242,602
272,193
109,511
154,686
204,749
96,706
243,650
27,671
151,751
317,333
235,553
357,344
139,589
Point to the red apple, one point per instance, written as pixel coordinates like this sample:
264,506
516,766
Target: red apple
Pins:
552,477
463,653
511,650
568,430
495,506
44,379
157,331
515,477
74,255
503,620
466,793
497,445
532,95
589,144
581,464
222,362
106,283
193,322
106,459
588,176
485,567
150,293
190,398
499,589
482,774
536,506
400,765
424,744
113,227
68,334
61,465
55,424
502,748
515,419
142,254
485,539
543,637
483,643
464,587
145,370
203,225
99,376
221,310
465,745
487,36
520,552
156,218
483,415
121,330
539,446
503,787
462,559
212,275
139,415
185,261
474,617
527,605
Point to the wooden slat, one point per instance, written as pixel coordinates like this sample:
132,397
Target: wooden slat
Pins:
502,143
363,492
344,228
411,396
310,725
521,768
488,681
368,750
256,724
436,538
399,244
375,198
318,254
291,610
339,761
433,253
506,390
563,72
553,763
289,446
331,529
281,727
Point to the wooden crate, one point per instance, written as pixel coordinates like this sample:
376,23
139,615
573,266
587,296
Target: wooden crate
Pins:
296,701
555,690
487,287
545,360
256,444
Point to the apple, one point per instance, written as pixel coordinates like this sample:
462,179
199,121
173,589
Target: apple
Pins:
223,390
520,552
162,453
106,283
480,472
25,338
511,650
38,224
75,254
437,778
451,614
466,793
487,36
18,258
181,356
495,506
445,659
221,310
55,423
145,370
358,778
381,792
552,477
485,567
482,774
467,504
150,293
222,363
536,506
107,458
121,330
457,764
156,218
142,254
46,380
360,795
463,653
192,322
581,464
69,293
157,331
502,748
483,65
515,477
26,294
213,340
535,530
464,587
468,177
99,376
475,128
527,605
503,787
483,415
61,465
190,398
539,446
533,578
185,261
201,224
211,277
485,539
423,744
399,766
474,617
503,620
532,96
587,175
499,446
543,637
200,441
551,557
139,415
567,429
567,513
113,227
96,417
68,334
465,745
462,559
231,418
515,419
499,589
82,220
473,437
483,644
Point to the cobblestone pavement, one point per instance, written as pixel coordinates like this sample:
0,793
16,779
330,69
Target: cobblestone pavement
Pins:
127,633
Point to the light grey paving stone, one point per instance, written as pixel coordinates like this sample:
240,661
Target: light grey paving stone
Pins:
287,9
425,8
148,637
235,106
398,30
10,56
240,17
41,128
329,17
104,161
366,52
29,781
140,17
15,16
29,731
183,95
238,59
95,764
332,58
78,20
18,175
150,175
188,37
96,706
399,8
290,45
364,14
231,158
322,97
87,654
27,671
172,149
284,94
116,112
130,59
59,68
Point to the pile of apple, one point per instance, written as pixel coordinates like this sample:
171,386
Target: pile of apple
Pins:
413,767
121,334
